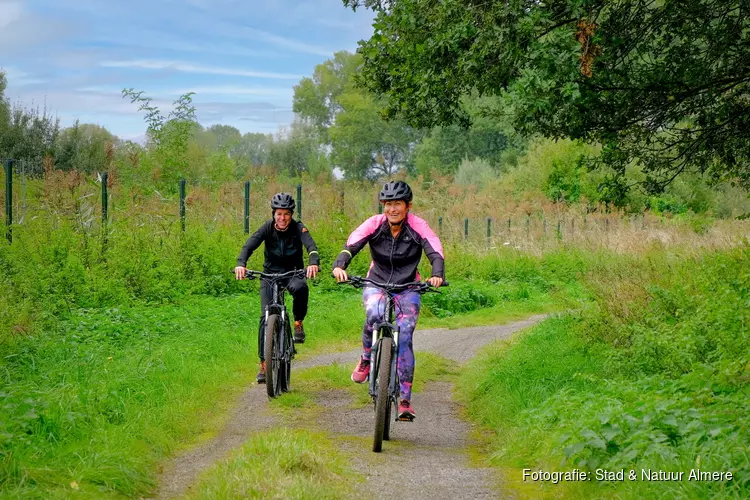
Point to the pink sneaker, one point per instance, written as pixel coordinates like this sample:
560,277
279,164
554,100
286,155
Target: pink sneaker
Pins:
406,410
362,371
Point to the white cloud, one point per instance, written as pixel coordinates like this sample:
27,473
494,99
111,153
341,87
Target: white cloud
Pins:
290,43
10,12
195,68
235,90
22,31
148,41
240,58
17,77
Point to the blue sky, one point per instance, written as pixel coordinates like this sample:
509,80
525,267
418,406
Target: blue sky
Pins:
242,58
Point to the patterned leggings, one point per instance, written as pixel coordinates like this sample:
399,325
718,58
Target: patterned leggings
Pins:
406,308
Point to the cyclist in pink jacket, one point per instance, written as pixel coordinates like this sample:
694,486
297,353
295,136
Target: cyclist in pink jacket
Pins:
397,239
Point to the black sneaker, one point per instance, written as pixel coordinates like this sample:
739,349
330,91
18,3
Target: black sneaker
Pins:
299,333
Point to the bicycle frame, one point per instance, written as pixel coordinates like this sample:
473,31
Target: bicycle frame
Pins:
388,328
383,329
277,303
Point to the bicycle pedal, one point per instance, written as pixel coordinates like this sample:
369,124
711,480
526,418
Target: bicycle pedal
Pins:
405,418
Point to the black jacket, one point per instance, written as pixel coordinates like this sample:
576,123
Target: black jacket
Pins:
283,249
394,260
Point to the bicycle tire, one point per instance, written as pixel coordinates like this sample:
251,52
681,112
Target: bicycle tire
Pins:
383,398
388,420
273,384
285,370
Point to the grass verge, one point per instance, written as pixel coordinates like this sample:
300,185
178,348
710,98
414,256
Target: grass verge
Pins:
655,375
280,463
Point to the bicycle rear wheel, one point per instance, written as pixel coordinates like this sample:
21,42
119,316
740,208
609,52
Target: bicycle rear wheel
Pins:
383,400
272,355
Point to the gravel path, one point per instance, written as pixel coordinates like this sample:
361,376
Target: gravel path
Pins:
429,454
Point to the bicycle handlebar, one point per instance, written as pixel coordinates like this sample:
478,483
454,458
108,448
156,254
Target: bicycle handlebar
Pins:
299,273
417,286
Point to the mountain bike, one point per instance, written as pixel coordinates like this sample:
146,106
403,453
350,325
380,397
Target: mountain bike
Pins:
276,341
384,383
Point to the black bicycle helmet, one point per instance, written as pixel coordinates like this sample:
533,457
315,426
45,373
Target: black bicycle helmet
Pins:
395,190
282,200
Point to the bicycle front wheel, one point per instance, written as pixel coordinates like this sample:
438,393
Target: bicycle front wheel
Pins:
388,420
286,360
383,400
273,356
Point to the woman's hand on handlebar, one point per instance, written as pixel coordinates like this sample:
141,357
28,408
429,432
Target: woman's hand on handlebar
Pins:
239,272
435,281
340,274
312,271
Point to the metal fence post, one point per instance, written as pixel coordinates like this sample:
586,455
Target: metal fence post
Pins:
299,201
247,207
489,230
440,225
182,204
466,228
9,199
104,176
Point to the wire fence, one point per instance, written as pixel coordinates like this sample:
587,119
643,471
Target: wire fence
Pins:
98,206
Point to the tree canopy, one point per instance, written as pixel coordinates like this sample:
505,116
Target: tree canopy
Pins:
348,118
317,98
663,83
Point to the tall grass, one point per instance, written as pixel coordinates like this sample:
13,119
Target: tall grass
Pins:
60,259
102,401
654,375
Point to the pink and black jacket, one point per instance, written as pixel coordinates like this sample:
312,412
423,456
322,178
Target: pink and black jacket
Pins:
394,260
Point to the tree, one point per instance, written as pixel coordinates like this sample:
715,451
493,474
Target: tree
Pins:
4,109
169,135
363,144
29,135
297,151
317,98
83,147
217,137
663,83
252,148
348,119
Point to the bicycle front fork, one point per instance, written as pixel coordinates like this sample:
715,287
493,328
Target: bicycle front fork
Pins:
262,334
393,389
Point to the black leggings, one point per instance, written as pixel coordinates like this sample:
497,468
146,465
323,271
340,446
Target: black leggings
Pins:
300,295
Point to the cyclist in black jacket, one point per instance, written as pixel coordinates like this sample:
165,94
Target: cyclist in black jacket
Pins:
283,238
